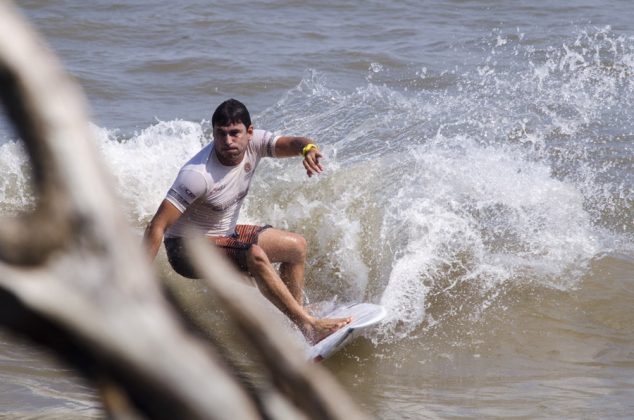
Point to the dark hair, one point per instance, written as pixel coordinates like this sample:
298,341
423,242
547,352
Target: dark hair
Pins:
231,111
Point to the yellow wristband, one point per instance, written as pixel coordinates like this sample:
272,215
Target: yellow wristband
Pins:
308,148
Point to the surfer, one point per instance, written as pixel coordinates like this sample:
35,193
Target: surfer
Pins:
207,195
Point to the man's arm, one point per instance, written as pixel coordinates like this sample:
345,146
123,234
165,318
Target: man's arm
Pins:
287,146
166,215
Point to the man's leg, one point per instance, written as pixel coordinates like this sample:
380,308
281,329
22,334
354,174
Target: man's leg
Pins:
290,250
274,288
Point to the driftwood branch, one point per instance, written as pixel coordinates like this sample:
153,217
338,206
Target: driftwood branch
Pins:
75,279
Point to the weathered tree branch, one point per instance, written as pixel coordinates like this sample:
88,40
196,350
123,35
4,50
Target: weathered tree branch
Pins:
74,278
88,290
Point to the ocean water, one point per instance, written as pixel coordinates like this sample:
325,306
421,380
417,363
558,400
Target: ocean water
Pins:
479,183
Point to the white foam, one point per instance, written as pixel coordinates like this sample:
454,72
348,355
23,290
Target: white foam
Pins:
16,191
146,164
496,174
472,213
496,180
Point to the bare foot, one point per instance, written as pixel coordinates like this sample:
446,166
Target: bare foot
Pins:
319,329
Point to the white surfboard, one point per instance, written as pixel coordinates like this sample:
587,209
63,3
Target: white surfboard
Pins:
364,315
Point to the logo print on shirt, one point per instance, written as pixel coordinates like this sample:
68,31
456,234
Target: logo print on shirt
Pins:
189,193
217,188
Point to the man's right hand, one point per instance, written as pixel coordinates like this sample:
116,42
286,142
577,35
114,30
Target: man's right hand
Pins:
311,162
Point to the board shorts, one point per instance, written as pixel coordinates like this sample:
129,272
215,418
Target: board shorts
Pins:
234,246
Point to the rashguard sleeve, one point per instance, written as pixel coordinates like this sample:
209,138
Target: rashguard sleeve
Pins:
188,186
264,142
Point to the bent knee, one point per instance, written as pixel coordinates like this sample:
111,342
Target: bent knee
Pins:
300,246
302,243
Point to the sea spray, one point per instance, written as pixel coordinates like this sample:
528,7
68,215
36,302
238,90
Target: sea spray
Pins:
145,164
16,190
483,215
500,178
516,170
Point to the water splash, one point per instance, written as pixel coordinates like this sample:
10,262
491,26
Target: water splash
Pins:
16,190
508,175
145,165
468,213
517,170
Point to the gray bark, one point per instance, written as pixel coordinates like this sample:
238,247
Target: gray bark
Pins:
74,278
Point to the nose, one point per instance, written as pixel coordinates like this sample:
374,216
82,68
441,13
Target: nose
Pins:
229,139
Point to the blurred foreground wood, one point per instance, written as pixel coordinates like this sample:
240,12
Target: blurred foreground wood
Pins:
74,278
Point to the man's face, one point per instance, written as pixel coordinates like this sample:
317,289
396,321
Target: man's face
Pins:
230,142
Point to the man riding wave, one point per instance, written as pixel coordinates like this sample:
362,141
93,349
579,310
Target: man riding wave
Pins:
208,194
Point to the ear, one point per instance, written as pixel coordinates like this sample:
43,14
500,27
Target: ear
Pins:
250,131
